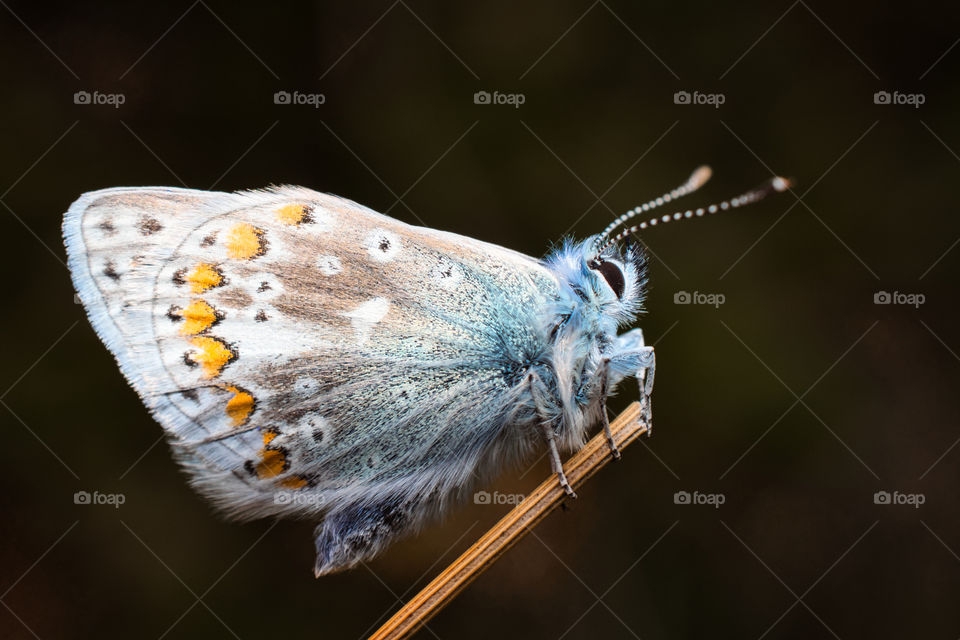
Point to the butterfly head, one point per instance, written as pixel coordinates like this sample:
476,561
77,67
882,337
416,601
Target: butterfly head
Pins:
611,284
608,272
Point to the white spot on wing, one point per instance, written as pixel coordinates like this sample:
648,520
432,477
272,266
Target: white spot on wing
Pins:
446,274
322,220
329,265
311,433
264,286
366,315
382,245
306,386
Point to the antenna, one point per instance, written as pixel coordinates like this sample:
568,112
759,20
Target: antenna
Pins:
773,185
696,180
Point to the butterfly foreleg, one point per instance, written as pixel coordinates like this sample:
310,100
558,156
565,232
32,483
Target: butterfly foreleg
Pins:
645,380
632,357
537,392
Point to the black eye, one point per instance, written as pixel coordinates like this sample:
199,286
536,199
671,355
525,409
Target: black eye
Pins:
613,275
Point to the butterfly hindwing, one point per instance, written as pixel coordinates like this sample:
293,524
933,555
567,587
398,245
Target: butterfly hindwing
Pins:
306,354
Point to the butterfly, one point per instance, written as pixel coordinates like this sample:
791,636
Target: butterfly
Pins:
307,356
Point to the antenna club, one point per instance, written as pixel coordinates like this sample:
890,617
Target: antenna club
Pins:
780,184
700,176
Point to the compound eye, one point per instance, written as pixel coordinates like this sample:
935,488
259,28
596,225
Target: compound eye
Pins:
613,274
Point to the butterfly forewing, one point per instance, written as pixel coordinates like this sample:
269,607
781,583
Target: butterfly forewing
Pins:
292,341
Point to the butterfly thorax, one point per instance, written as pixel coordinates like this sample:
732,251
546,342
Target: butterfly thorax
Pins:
592,303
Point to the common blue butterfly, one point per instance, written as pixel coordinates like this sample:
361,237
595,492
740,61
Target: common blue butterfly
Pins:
308,356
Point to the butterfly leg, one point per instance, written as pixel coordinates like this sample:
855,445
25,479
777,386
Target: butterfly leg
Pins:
645,380
645,362
555,463
549,434
632,357
604,378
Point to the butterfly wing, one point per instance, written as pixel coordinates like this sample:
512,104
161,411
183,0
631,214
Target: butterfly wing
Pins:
307,355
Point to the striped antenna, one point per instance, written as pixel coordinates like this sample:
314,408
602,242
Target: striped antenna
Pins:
696,180
773,185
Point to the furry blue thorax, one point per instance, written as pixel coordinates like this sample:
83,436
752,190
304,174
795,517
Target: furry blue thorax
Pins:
596,296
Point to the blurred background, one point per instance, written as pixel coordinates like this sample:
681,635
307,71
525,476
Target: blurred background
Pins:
805,397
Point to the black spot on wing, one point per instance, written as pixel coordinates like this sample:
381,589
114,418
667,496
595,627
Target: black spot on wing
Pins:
149,226
111,271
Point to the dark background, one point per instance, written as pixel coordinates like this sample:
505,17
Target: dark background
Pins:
797,399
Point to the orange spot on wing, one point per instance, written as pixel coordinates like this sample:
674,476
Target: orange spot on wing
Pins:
198,317
240,406
272,463
293,482
273,459
204,276
212,354
245,241
293,214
